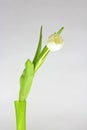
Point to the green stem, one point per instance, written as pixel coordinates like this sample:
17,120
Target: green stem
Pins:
41,58
20,110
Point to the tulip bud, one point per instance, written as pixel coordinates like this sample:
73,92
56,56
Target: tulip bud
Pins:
55,41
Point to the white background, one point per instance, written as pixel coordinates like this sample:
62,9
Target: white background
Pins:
58,98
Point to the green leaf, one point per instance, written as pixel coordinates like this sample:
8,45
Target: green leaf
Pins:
39,47
60,30
26,80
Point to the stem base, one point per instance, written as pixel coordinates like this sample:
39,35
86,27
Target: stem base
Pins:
20,110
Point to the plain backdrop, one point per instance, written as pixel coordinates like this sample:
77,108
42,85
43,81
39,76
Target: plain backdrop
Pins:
58,98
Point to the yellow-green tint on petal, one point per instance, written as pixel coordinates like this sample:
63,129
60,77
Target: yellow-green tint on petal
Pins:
57,39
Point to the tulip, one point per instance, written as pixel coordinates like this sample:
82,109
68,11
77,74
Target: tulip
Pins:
55,42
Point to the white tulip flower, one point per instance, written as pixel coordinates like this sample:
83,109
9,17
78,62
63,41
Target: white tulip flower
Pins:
55,42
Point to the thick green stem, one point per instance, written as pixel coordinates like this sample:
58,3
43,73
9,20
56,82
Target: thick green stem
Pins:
41,58
20,110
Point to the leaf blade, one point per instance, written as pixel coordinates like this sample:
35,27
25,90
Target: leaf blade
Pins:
60,30
39,46
26,80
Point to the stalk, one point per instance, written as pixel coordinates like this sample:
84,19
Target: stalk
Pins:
20,111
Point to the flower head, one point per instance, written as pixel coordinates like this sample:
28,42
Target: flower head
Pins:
55,41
